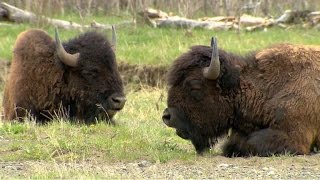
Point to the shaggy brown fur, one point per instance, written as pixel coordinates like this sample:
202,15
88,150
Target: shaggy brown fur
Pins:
270,99
40,84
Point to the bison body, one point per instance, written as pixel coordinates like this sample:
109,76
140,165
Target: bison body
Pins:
270,99
44,82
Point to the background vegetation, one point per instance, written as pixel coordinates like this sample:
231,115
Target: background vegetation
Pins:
142,44
139,133
187,8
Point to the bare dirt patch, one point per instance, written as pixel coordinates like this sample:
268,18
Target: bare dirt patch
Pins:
217,167
150,75
13,169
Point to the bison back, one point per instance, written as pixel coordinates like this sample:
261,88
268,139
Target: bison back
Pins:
32,75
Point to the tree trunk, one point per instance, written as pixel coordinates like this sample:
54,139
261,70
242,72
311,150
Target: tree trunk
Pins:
265,7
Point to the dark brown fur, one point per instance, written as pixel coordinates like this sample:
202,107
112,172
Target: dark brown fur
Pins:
270,99
40,84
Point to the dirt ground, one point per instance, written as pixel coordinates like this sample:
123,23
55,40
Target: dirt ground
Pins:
150,75
218,167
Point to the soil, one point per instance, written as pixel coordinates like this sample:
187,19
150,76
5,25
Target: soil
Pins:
150,75
217,167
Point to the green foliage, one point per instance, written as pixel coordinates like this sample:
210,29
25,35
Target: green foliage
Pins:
141,44
139,133
14,128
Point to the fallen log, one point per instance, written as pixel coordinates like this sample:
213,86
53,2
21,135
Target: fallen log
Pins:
295,16
153,13
247,20
314,18
157,18
180,22
259,27
14,14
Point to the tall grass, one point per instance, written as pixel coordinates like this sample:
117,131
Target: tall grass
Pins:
146,45
139,134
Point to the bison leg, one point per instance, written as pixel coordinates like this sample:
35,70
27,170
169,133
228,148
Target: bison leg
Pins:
200,143
235,145
264,142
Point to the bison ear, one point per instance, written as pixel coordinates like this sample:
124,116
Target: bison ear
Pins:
230,79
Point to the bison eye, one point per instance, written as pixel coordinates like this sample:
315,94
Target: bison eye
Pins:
197,94
194,84
89,75
195,88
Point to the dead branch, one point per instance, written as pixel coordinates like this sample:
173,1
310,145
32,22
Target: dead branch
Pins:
157,18
14,14
162,19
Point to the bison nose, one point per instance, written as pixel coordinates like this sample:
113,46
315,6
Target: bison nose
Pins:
166,116
118,102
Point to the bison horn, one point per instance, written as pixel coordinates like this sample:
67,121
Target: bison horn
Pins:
212,72
66,58
114,38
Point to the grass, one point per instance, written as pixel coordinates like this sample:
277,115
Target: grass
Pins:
140,133
62,148
142,44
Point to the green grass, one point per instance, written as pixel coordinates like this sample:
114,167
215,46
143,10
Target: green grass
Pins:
64,150
142,44
140,133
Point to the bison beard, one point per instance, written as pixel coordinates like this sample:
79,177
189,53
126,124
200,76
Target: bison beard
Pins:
79,79
270,99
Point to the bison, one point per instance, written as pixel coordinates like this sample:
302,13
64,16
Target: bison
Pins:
269,98
78,78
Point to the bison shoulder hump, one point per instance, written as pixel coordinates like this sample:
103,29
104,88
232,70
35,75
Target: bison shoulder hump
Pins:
33,41
274,51
290,53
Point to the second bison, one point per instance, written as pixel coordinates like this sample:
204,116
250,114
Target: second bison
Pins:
79,78
270,99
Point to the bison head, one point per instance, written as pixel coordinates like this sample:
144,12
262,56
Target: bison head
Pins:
200,95
93,85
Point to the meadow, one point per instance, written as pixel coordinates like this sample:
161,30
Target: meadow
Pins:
139,133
